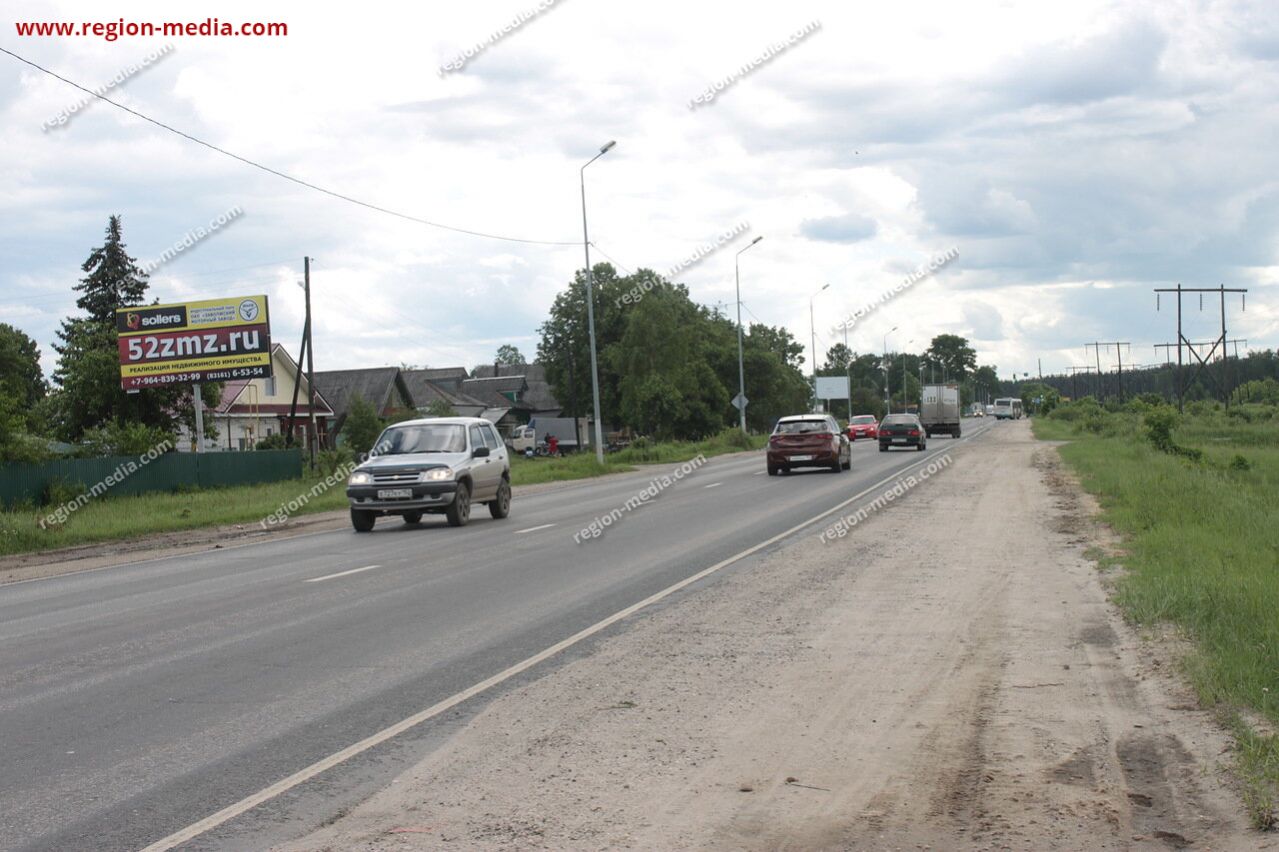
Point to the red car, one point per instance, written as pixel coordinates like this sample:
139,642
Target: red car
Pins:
808,440
863,426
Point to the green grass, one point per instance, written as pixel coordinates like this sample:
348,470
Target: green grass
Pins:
1201,552
115,518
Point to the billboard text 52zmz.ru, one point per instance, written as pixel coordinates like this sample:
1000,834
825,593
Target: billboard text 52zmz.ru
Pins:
205,341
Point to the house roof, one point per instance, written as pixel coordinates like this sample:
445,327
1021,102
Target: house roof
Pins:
383,387
538,395
232,392
425,390
436,374
493,391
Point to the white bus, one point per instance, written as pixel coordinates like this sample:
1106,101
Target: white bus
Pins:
1008,408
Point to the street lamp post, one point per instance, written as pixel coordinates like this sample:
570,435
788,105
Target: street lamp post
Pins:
741,369
908,343
812,330
590,310
888,400
848,369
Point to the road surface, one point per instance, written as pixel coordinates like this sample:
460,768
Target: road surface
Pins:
140,699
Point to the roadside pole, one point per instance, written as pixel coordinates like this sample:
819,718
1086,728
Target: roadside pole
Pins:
310,360
198,438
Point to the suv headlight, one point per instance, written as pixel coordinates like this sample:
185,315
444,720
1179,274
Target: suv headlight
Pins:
360,477
435,474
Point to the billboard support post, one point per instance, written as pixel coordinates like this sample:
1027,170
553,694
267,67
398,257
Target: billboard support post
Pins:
198,438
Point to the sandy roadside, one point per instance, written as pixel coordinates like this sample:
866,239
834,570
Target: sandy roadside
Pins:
88,557
949,675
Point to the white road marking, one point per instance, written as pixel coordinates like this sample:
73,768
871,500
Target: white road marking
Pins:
532,529
760,473
341,574
250,802
715,485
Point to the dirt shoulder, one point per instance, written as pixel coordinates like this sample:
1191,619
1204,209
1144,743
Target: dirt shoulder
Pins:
948,675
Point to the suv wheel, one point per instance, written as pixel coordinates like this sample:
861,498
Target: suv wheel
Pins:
500,506
362,520
459,511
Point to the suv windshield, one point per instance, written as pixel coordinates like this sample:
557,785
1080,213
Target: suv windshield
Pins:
802,427
424,438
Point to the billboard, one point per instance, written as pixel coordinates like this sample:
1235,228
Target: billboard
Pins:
209,341
832,387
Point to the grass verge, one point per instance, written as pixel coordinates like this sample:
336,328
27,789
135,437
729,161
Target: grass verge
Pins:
112,519
115,518
1201,552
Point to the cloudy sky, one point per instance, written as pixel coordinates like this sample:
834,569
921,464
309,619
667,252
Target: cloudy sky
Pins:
1077,155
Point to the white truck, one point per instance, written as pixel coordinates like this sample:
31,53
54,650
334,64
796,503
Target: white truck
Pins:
533,435
939,409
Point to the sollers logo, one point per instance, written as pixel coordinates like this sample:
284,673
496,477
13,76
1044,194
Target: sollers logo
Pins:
137,320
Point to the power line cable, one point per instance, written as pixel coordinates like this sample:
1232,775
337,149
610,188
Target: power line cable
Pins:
281,174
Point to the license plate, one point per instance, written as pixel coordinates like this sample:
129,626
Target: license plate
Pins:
899,440
801,458
394,493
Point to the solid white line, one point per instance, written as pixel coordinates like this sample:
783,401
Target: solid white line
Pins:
341,574
715,485
532,529
323,765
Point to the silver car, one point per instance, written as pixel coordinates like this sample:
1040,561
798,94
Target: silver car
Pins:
440,465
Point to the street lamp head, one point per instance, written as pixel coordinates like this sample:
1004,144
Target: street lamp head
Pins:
824,287
757,239
607,145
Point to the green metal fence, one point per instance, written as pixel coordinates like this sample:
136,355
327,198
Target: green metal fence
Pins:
128,475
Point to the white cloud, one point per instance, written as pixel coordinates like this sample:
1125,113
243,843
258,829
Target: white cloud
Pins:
1122,143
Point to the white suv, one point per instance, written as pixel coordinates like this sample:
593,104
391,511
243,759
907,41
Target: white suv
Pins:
439,465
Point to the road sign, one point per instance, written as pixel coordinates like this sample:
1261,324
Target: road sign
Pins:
739,402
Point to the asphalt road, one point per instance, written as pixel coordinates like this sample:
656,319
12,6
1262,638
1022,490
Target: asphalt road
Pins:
139,699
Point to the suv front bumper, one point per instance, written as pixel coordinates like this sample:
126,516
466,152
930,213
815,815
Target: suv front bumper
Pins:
426,495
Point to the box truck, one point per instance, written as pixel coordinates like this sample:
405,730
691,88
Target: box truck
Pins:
939,410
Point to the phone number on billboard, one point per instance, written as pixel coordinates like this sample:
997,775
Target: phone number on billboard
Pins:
218,375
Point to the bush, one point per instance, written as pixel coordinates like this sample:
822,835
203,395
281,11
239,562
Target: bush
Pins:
1240,463
329,461
118,438
59,491
272,442
1159,425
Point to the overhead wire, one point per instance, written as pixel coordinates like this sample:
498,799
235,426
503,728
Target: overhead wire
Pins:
277,173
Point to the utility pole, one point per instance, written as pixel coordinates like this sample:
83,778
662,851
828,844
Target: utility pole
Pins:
310,358
302,353
1074,380
1223,387
1118,352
